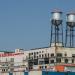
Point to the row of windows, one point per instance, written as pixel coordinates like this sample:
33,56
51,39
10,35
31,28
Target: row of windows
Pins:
58,60
40,67
60,55
52,54
6,60
46,55
43,56
4,70
36,52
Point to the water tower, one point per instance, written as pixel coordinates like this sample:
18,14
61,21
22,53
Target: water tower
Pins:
70,30
56,29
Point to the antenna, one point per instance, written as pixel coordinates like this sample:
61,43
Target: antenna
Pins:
70,30
56,28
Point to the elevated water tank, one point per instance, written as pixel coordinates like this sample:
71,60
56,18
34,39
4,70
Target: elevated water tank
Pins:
56,17
71,19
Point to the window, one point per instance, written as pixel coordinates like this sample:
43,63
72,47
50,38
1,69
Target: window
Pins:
3,70
52,61
66,60
52,55
58,60
73,55
46,60
35,61
41,62
39,56
65,54
37,52
59,55
48,54
45,55
29,54
32,53
72,60
35,56
42,55
42,51
12,59
40,67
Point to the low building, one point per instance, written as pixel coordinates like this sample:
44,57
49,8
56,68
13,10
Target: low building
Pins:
13,61
46,58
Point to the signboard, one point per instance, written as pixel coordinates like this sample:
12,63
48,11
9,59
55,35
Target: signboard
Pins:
10,54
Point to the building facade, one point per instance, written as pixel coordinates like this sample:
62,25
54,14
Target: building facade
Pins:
46,58
13,61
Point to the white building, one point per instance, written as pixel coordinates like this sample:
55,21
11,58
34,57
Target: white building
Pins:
38,58
16,61
47,56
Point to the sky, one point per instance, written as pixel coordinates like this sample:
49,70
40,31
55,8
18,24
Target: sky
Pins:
26,23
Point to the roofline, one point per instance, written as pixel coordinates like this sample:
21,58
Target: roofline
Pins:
40,48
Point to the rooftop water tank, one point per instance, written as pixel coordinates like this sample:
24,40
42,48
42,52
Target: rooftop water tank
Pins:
71,19
56,17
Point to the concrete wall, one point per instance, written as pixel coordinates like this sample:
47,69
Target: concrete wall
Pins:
4,73
39,73
18,73
35,73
